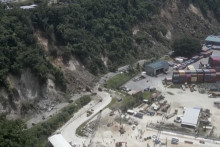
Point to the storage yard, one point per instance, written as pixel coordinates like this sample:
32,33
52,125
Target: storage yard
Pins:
187,108
162,106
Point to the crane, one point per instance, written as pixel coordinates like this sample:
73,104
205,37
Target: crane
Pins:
159,130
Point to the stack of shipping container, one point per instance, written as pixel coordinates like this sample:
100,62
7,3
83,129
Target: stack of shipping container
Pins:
217,77
196,76
182,76
193,76
200,75
175,76
188,76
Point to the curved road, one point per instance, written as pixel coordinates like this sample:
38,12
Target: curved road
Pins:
68,131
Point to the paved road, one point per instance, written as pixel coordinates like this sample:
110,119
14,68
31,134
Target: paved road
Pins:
69,129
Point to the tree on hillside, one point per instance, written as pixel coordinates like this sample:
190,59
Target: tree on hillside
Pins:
186,47
11,133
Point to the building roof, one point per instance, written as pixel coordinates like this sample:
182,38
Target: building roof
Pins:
191,117
215,58
213,38
158,64
58,141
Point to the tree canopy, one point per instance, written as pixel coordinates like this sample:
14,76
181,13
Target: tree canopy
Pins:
186,47
19,49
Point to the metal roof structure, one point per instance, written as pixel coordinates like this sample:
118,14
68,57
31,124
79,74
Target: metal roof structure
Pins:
191,116
213,38
58,141
158,64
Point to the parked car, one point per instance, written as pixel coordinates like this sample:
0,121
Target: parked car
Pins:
147,89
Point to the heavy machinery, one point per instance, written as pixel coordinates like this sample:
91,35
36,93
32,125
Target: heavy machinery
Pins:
120,144
89,112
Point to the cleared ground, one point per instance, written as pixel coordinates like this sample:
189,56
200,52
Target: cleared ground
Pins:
108,136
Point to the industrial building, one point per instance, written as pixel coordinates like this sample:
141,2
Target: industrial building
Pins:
156,68
213,40
191,117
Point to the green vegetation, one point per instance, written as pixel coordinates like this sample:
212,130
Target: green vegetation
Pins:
92,29
146,95
79,130
19,49
13,133
119,80
129,102
186,47
112,103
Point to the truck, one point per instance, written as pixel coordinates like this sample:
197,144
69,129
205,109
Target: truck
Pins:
170,115
89,112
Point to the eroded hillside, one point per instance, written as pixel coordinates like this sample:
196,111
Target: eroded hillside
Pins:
53,52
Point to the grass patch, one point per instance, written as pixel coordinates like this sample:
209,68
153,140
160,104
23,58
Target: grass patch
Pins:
147,95
79,130
39,133
118,80
112,103
129,102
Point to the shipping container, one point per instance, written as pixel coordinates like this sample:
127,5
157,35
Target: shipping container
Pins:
212,70
175,72
175,81
193,79
206,71
199,71
200,78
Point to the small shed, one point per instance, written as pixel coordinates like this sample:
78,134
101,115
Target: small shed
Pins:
157,67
